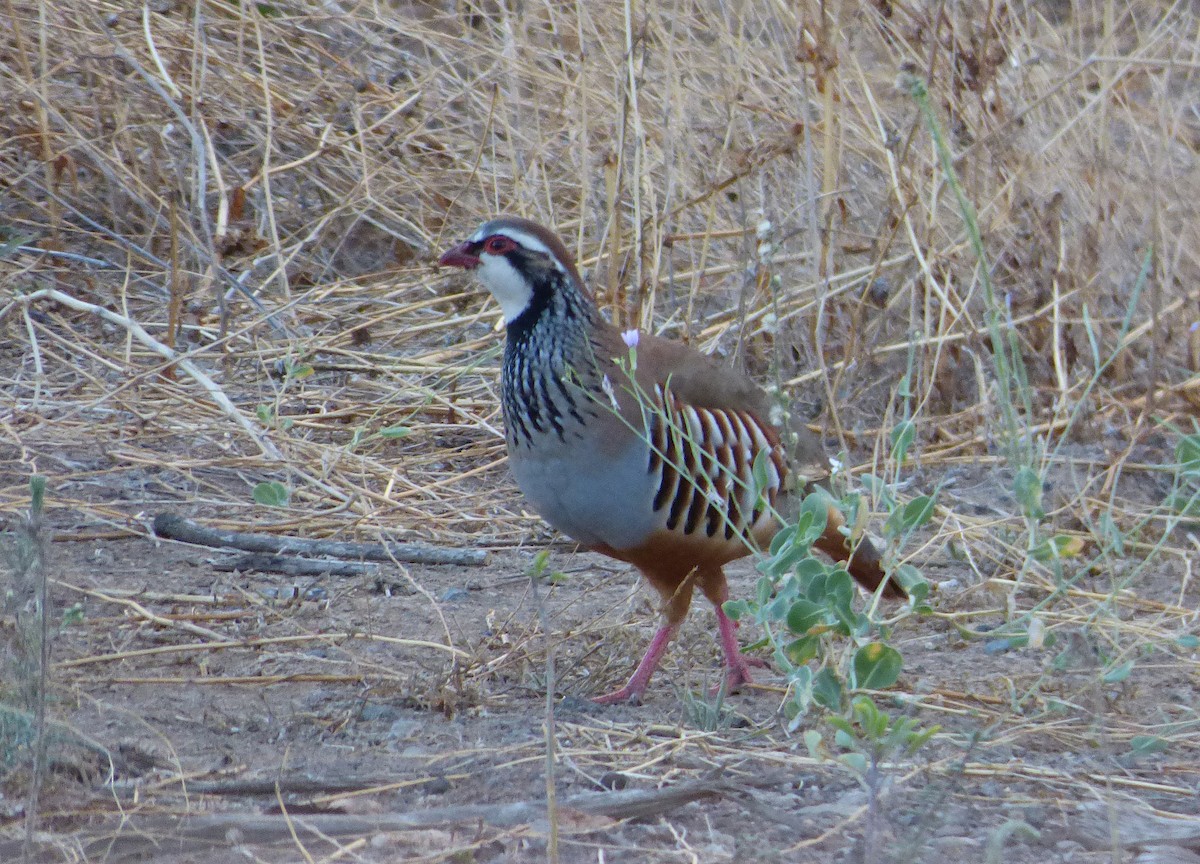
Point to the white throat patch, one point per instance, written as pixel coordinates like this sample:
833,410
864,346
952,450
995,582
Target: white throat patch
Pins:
509,287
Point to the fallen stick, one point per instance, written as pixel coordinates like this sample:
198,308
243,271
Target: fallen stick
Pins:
260,562
133,837
173,527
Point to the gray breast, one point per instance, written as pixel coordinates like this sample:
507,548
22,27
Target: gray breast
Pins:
595,491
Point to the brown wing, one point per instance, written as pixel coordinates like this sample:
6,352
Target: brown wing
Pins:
698,379
712,415
702,464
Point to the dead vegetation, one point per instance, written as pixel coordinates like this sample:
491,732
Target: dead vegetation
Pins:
219,223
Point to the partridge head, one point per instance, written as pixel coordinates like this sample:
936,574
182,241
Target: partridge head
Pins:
636,446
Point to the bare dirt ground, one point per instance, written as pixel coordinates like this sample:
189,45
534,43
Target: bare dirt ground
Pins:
204,693
218,223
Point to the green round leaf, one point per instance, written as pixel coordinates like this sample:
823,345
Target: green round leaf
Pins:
1027,486
827,690
803,616
271,493
816,507
1118,673
918,511
800,651
876,666
1146,745
1187,453
902,438
1057,547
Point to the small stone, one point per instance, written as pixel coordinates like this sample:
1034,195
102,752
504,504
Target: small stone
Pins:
376,711
436,786
403,728
614,780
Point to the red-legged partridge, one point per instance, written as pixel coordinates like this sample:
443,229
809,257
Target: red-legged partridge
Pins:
636,446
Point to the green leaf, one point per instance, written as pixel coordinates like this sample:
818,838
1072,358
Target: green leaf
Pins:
856,762
803,616
920,739
874,722
914,514
902,438
541,561
1027,486
735,609
813,518
1148,745
759,473
37,497
800,651
843,731
763,591
783,562
10,245
779,542
918,511
814,744
839,590
1187,453
1188,641
910,579
801,696
1118,673
811,571
271,493
1185,504
1057,547
827,690
874,485
777,608
72,615
1111,533
395,432
876,666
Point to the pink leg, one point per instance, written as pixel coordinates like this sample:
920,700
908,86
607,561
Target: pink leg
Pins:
632,692
737,663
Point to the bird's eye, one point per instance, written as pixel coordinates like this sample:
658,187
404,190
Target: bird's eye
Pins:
498,244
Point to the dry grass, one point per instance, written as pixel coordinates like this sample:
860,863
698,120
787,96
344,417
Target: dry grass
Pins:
221,220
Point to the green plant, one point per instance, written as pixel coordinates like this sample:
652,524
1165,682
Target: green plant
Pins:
387,433
806,607
869,737
540,570
271,493
267,416
707,713
1184,497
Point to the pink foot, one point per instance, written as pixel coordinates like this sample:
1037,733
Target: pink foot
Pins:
628,693
737,664
632,692
738,673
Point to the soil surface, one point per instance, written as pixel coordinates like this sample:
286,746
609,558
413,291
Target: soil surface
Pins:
418,693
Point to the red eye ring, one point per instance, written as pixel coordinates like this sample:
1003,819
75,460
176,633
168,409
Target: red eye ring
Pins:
498,244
